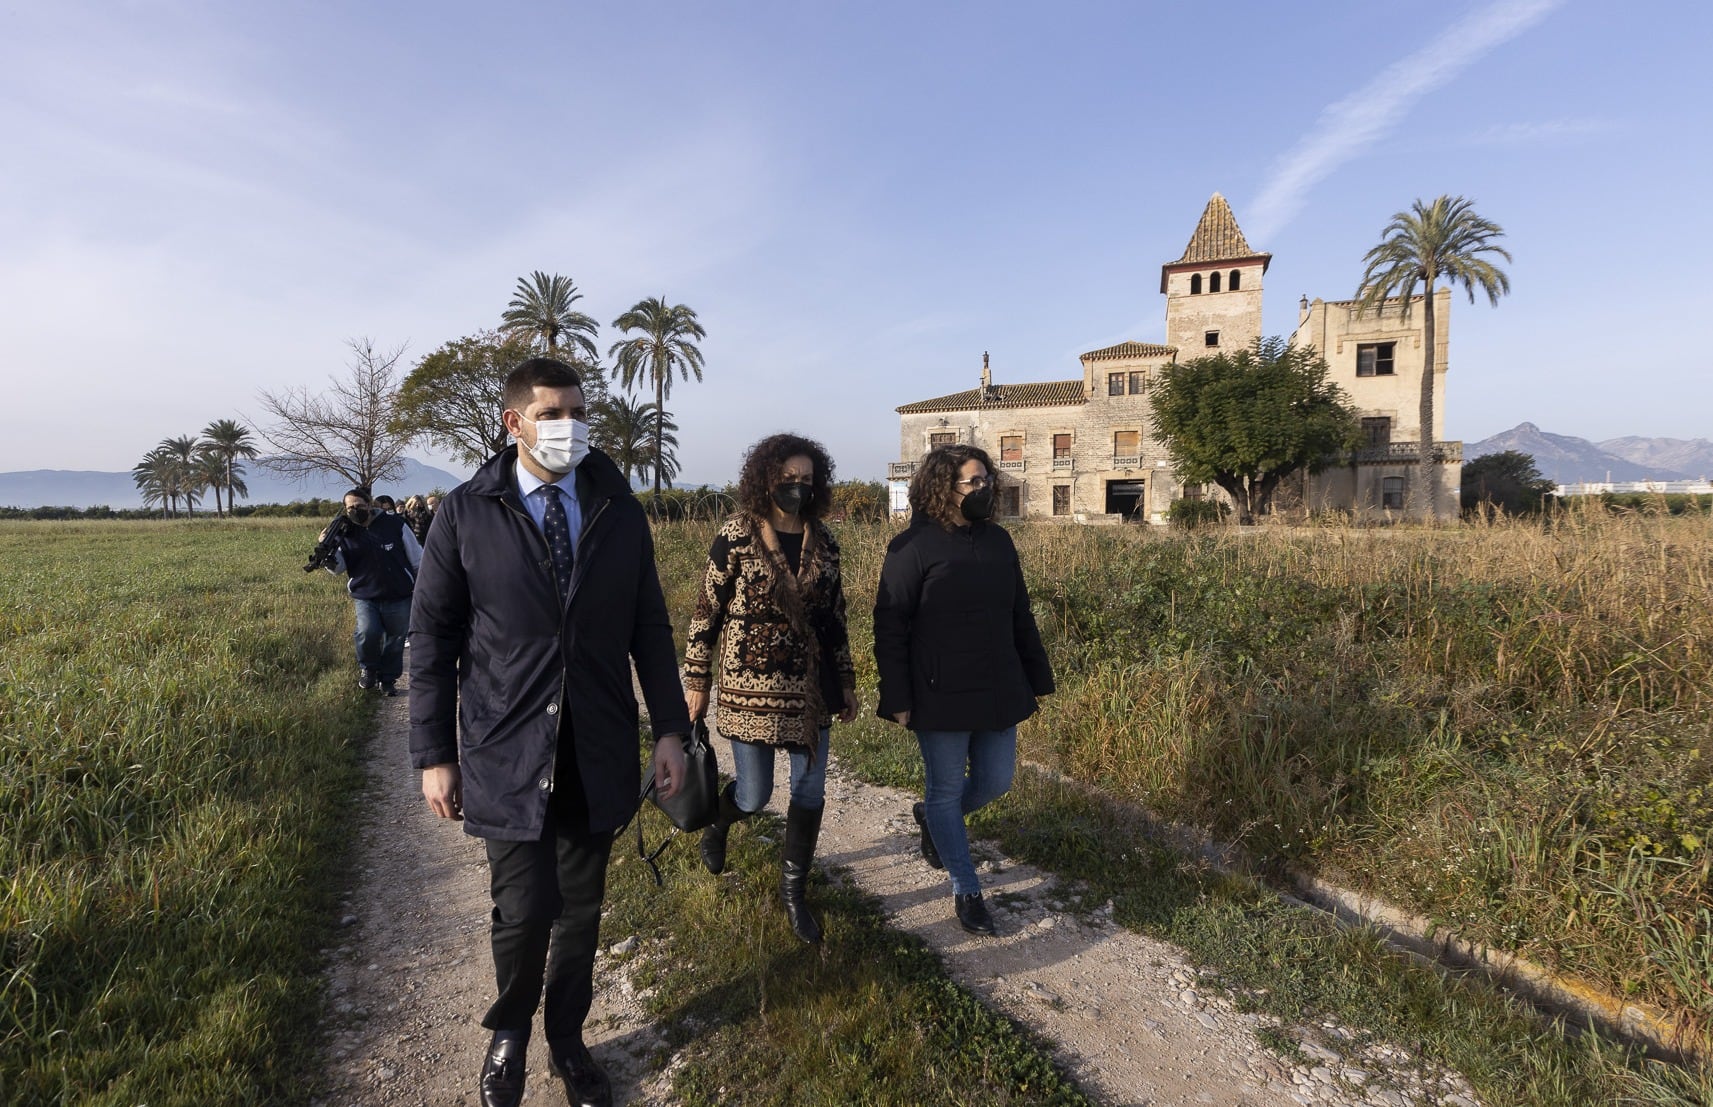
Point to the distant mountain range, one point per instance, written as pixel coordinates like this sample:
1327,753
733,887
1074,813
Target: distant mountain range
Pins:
1567,460
82,488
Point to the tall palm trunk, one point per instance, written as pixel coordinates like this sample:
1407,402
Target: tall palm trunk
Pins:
659,424
1427,462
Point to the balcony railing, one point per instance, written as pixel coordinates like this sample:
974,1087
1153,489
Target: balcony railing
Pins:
1062,464
1129,461
1396,452
1013,466
900,470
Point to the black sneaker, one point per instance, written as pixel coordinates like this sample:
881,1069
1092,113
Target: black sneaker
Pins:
972,913
389,688
366,680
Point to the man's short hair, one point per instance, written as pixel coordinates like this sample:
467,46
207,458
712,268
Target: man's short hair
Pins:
360,492
537,372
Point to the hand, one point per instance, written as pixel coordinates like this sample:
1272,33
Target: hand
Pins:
443,788
696,703
903,718
850,711
322,537
668,765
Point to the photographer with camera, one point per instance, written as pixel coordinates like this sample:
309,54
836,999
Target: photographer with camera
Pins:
380,554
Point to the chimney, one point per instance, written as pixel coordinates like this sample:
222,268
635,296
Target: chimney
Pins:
986,375
1303,310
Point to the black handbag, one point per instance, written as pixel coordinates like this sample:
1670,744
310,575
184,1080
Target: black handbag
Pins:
697,802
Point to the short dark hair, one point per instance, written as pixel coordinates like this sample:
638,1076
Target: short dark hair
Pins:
931,489
761,466
360,492
386,501
536,372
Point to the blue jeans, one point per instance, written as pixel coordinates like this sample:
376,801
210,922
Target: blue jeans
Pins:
966,770
754,763
381,629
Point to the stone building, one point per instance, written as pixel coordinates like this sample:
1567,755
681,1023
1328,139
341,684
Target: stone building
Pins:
1086,448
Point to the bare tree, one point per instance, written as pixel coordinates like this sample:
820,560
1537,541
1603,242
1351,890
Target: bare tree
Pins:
349,429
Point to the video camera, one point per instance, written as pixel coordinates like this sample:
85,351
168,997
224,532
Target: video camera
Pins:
322,556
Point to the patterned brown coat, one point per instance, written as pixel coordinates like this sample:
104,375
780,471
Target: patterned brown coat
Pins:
784,652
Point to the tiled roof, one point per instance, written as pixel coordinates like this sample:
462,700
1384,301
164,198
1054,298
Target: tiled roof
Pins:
1130,349
1041,394
1217,237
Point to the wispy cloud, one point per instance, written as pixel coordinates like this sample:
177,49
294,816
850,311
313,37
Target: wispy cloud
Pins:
1355,123
1543,131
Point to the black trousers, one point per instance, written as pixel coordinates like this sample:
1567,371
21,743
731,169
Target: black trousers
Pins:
547,915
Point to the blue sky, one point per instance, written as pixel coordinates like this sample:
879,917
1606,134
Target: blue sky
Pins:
201,200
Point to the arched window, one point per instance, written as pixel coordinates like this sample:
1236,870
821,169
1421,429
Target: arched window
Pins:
1195,284
1213,282
1236,279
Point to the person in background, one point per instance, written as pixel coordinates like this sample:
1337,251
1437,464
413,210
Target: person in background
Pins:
417,517
773,607
959,656
386,505
538,594
380,555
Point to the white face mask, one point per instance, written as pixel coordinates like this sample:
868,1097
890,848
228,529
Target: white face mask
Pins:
559,443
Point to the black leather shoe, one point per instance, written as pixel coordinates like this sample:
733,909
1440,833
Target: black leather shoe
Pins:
929,853
502,1071
972,914
366,680
586,1083
389,688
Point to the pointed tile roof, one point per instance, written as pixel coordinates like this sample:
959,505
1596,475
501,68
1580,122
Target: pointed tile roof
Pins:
1040,394
1217,238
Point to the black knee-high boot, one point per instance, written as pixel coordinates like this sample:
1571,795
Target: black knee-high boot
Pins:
802,828
714,834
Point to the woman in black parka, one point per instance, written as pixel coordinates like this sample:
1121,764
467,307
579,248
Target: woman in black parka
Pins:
959,656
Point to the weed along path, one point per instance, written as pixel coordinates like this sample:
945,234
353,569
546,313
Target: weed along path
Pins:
1130,1018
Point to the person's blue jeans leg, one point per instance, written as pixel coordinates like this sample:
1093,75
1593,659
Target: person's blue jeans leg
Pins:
809,774
379,637
964,772
753,763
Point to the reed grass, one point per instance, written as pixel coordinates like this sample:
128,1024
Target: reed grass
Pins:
178,756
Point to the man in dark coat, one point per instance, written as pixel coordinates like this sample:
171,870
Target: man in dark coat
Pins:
536,594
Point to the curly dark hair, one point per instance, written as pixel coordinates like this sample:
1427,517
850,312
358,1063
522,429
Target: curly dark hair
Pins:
935,484
761,467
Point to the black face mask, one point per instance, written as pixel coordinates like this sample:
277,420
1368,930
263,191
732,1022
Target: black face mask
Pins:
792,498
978,505
360,515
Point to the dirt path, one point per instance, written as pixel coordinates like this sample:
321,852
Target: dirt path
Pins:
1135,1022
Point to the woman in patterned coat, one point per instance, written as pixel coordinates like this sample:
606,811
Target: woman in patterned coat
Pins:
773,608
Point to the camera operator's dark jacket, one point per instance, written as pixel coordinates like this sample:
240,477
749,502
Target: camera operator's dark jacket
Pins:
954,640
376,560
495,660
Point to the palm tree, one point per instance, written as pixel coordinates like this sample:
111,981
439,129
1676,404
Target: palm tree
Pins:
541,309
1446,239
152,480
231,440
663,346
182,482
208,470
624,428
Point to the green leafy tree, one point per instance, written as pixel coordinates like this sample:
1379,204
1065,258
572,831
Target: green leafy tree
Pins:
1442,240
540,311
230,440
452,399
629,430
860,499
1247,420
1507,481
664,345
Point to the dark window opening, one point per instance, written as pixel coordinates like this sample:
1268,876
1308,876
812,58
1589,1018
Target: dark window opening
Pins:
1213,282
1374,359
1011,500
1236,279
1125,497
1138,382
1061,499
1192,491
1377,432
1392,493
1195,284
1211,338
1115,384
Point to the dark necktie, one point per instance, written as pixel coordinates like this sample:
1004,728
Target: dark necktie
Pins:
558,533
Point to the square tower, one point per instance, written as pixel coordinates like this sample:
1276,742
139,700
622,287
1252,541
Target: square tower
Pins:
1213,292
